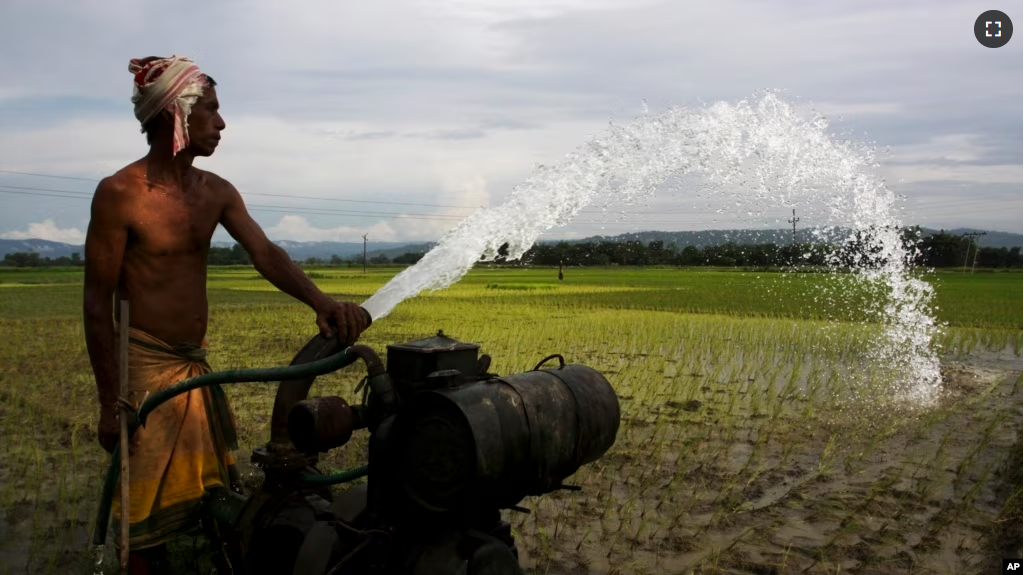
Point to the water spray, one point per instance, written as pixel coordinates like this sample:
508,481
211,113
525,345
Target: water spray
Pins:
761,154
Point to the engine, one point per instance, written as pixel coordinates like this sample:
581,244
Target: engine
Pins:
451,445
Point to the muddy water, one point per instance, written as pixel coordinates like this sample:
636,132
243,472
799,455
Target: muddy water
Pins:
867,491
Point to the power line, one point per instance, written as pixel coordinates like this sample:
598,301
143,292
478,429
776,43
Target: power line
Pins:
31,191
88,195
361,212
583,212
388,215
910,203
363,201
937,207
274,209
47,176
384,215
594,221
261,194
257,208
76,197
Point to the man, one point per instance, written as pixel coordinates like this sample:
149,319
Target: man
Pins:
147,242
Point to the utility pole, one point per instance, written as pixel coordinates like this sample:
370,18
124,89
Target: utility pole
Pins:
975,261
364,252
970,241
794,221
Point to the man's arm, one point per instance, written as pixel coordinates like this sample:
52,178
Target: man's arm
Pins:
104,252
268,258
273,263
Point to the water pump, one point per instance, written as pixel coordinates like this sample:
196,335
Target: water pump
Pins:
451,445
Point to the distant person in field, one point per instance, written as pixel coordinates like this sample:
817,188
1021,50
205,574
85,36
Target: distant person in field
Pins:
148,240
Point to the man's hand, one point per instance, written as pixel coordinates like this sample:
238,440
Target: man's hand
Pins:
109,428
345,320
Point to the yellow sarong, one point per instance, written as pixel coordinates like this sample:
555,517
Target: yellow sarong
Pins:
184,448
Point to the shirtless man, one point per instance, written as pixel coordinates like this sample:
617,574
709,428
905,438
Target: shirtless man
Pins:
147,242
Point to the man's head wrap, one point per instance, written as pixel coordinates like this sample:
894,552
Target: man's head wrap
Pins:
173,84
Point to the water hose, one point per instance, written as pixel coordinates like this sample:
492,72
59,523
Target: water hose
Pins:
264,375
336,478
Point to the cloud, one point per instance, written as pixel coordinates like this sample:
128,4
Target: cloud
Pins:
370,135
487,126
47,230
955,173
455,176
85,147
946,149
464,184
456,134
412,100
507,124
50,110
298,228
858,108
953,157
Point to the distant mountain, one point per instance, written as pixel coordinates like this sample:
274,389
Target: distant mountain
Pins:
404,249
297,250
989,240
44,248
300,251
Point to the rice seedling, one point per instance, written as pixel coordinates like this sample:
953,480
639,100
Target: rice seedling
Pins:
754,430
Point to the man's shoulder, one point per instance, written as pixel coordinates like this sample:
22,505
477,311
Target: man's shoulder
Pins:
117,184
216,182
128,177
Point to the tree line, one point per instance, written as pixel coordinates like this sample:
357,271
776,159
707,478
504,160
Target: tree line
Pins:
939,250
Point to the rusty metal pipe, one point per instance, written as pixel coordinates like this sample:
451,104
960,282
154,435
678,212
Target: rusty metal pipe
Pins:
295,390
320,424
291,392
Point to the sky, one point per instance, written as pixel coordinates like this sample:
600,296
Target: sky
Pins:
398,119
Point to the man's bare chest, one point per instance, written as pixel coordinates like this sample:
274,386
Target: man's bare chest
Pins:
167,224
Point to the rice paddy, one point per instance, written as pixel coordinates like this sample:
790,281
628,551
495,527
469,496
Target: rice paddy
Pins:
757,434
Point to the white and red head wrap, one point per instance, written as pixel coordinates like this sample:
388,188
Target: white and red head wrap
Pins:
173,84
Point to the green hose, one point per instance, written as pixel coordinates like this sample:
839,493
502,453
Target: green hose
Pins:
267,374
262,374
99,536
336,478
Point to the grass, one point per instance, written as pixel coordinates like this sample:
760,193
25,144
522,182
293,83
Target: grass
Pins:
757,434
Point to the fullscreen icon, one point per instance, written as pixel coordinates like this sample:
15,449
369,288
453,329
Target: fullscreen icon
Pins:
993,29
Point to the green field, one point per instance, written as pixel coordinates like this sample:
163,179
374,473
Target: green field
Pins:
757,434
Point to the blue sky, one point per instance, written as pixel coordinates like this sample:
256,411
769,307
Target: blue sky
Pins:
451,103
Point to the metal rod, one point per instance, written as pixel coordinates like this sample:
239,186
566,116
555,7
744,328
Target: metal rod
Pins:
125,507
